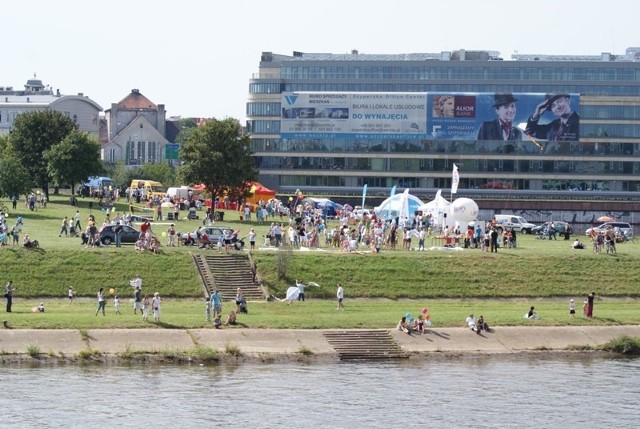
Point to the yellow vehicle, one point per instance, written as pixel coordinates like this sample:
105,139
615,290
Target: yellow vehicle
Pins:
148,188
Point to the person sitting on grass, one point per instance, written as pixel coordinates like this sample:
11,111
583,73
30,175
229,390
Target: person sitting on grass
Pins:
471,322
577,244
481,325
403,326
231,318
532,314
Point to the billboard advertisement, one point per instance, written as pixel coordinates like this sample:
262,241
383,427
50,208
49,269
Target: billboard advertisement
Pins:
354,115
550,120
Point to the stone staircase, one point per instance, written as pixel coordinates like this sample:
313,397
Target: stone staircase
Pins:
365,344
227,272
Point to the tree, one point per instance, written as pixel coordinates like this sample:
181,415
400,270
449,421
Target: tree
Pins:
34,133
14,178
161,172
74,159
218,155
187,125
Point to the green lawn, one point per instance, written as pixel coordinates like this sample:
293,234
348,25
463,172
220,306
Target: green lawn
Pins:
378,287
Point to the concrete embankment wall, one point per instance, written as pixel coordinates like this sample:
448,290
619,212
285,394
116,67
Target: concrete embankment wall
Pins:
291,342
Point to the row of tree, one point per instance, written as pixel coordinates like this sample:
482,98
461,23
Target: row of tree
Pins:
45,148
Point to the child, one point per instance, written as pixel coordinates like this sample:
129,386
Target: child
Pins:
585,308
41,307
572,307
145,308
156,307
70,294
116,304
207,309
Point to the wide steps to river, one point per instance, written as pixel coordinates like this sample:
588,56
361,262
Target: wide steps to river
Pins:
227,272
365,344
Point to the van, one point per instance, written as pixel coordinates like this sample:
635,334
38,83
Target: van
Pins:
96,185
182,192
514,223
151,188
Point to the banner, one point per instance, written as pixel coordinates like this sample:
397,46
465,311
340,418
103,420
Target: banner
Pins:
546,122
364,194
393,192
404,208
348,115
455,179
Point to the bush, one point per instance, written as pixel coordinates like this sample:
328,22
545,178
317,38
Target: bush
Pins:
625,345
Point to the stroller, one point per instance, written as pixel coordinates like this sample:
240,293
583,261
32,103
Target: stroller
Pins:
238,243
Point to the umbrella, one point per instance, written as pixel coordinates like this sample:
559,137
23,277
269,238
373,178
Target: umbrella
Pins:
167,204
605,219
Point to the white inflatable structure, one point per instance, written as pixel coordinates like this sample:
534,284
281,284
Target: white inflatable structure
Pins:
444,213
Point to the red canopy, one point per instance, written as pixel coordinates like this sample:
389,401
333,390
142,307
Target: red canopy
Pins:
260,189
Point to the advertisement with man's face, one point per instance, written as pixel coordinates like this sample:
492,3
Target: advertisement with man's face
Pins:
547,118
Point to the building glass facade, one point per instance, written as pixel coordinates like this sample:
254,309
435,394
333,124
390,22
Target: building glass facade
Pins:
606,158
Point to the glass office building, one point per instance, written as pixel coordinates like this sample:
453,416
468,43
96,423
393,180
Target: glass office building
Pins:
603,156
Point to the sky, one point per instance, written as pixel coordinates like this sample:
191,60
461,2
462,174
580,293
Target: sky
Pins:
196,56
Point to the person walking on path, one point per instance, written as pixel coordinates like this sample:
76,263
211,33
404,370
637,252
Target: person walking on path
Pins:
340,297
572,307
70,295
8,293
101,302
590,299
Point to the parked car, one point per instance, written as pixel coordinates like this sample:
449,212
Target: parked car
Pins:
624,227
513,222
558,225
128,234
212,232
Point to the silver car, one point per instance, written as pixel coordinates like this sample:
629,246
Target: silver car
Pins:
214,233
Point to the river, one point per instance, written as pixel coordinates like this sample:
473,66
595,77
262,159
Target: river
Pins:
542,391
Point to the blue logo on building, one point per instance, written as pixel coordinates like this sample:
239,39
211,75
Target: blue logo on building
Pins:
291,99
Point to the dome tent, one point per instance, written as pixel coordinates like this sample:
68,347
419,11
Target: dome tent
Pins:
391,207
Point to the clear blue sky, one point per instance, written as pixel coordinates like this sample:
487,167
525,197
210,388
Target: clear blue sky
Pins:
196,57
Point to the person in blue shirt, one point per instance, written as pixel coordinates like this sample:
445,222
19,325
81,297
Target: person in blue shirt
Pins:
216,304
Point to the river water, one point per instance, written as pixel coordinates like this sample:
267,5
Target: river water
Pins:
542,391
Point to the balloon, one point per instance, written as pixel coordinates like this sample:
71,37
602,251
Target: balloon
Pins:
464,210
164,234
290,198
113,209
424,310
428,316
112,290
409,317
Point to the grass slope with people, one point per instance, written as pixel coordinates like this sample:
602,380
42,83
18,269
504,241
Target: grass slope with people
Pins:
378,287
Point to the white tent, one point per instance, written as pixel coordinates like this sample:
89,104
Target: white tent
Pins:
437,208
460,212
